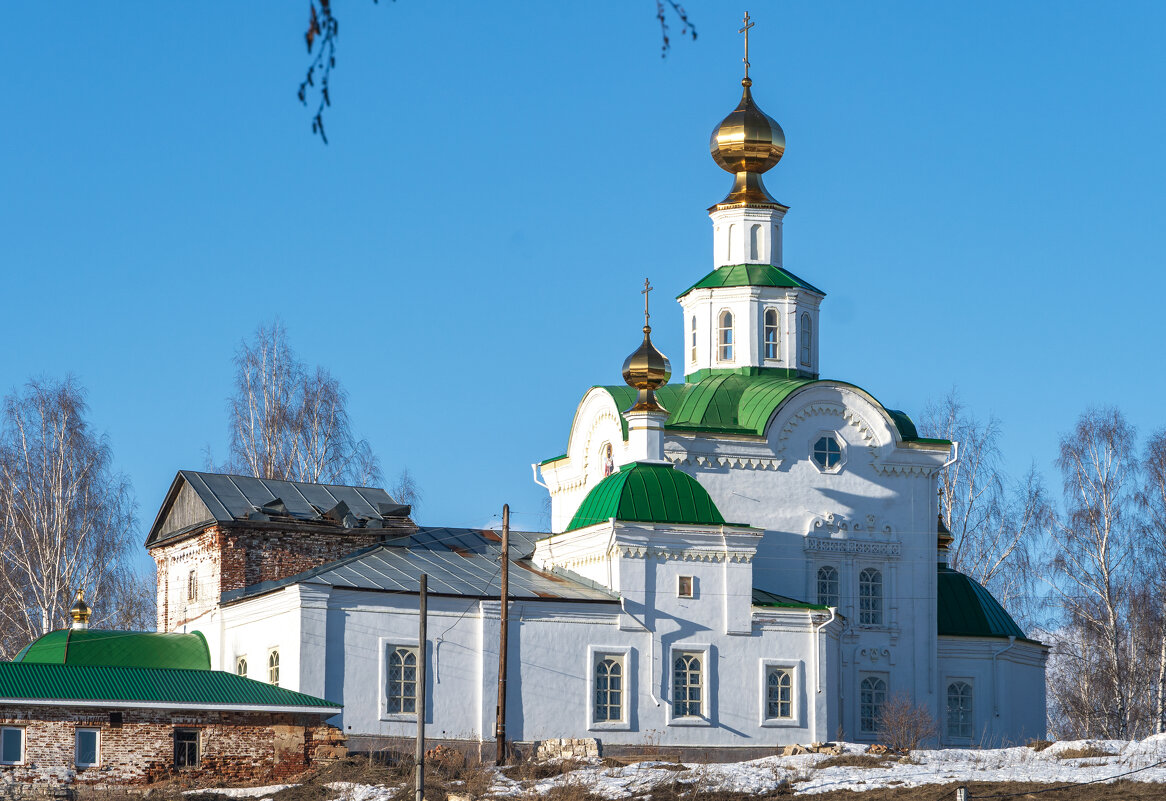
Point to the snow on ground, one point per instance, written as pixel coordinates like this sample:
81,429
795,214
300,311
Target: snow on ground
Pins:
764,775
244,792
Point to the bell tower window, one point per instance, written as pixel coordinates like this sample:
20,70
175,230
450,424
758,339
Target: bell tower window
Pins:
806,335
725,337
771,334
754,241
692,354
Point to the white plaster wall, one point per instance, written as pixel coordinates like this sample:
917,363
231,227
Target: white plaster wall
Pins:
1008,699
739,220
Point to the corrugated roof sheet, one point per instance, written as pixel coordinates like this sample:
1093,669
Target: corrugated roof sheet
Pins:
765,598
196,688
648,493
458,561
101,647
966,609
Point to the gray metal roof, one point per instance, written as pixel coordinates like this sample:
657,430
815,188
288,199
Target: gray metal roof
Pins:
459,561
229,498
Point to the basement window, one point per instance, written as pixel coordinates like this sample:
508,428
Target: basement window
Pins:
11,745
186,748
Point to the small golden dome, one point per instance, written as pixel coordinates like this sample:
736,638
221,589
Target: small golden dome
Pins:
747,143
647,369
80,611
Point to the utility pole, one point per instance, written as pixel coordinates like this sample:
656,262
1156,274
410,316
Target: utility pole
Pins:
500,722
419,757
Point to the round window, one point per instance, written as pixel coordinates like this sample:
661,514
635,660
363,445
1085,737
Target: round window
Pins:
827,453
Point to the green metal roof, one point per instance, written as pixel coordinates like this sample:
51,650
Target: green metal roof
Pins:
739,401
648,493
966,609
751,275
121,686
765,598
98,647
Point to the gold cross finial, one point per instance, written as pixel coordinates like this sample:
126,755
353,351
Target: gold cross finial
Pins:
745,31
647,288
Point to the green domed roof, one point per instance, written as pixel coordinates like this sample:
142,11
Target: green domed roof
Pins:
966,609
648,493
97,647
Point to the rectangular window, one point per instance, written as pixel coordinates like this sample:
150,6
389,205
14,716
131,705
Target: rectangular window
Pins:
186,748
959,710
870,597
85,753
192,586
685,586
401,692
779,694
687,684
11,745
609,688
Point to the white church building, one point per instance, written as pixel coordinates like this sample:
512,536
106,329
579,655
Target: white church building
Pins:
745,558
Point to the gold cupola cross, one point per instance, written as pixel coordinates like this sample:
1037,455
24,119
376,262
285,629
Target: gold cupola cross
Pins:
745,31
647,288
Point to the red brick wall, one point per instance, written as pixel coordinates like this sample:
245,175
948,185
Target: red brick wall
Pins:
235,747
233,557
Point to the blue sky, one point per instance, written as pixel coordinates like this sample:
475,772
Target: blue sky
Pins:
978,187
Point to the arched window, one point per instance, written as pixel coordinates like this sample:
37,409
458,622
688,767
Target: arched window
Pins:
828,586
872,695
692,356
687,686
754,242
771,336
725,337
959,709
402,689
273,667
609,689
730,245
779,693
241,666
806,335
870,597
775,251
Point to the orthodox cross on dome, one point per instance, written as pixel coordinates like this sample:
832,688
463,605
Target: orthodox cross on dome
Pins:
745,31
647,288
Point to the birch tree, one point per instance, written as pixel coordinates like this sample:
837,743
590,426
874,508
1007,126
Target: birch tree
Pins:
1091,570
66,519
291,422
1152,499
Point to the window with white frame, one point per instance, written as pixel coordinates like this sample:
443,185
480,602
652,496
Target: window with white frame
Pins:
872,695
609,688
241,666
828,585
687,684
692,335
806,335
870,597
725,337
771,334
11,745
273,667
685,587
86,748
959,710
779,693
401,692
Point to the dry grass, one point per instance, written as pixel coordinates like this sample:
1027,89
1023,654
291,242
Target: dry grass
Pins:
1039,745
526,770
1084,752
855,761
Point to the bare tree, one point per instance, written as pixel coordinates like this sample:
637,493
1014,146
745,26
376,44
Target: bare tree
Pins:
66,519
406,490
1152,499
902,725
995,522
290,422
1090,573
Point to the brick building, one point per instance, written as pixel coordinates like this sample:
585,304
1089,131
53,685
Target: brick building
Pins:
89,707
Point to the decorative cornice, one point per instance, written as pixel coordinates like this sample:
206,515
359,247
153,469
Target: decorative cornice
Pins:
825,409
865,547
731,460
835,523
682,555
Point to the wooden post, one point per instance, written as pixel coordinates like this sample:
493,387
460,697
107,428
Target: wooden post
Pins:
419,757
500,722
961,794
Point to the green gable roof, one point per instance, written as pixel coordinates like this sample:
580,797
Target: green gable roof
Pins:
648,493
98,647
765,598
966,609
751,275
122,686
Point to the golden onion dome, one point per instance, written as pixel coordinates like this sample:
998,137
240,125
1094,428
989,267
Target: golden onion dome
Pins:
647,369
80,611
747,143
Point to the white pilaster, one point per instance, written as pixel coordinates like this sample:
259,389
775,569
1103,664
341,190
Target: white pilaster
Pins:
645,435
